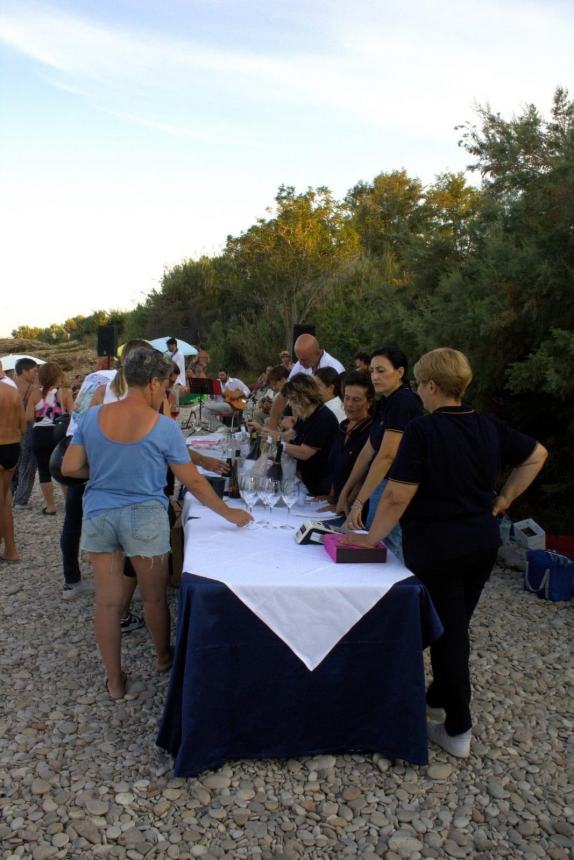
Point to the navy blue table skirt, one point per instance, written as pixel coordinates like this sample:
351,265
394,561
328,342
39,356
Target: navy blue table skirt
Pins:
237,691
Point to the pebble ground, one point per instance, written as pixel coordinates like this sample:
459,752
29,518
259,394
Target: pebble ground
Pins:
81,777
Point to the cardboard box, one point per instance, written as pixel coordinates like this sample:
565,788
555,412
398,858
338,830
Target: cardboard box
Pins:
529,534
350,554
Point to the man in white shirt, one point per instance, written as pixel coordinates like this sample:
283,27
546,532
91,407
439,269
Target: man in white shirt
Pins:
229,384
310,357
175,355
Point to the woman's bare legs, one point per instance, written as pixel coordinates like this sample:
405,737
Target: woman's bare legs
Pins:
152,579
48,493
110,598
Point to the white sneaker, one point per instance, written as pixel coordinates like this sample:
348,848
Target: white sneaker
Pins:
457,745
70,592
436,714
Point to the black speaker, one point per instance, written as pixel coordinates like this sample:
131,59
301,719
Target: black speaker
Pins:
301,329
107,340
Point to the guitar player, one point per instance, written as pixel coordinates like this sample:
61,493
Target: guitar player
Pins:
234,394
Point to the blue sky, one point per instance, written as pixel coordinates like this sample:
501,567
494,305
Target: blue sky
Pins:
136,134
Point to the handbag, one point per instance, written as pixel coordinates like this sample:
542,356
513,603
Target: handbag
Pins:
56,458
60,427
549,575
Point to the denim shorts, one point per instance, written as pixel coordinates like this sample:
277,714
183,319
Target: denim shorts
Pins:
141,529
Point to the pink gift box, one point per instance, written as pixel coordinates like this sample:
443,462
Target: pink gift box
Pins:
348,553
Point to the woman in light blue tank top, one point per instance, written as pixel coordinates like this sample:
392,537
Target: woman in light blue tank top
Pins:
128,447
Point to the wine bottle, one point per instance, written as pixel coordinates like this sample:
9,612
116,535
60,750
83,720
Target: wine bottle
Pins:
275,470
233,491
255,449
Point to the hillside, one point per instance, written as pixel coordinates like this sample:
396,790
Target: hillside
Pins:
73,356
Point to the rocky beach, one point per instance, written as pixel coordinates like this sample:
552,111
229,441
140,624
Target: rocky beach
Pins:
81,776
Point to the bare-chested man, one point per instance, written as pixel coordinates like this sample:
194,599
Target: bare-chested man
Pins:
12,427
23,480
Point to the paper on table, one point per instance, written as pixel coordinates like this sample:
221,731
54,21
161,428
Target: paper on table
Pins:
306,599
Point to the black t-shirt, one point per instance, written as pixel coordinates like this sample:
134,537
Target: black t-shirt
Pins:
454,455
394,413
345,450
317,431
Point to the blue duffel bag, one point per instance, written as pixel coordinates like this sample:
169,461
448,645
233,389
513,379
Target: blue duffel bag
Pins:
549,575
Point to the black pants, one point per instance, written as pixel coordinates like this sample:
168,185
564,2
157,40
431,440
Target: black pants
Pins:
71,533
455,587
43,443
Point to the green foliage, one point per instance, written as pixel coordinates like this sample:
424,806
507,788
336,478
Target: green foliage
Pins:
548,368
27,332
488,270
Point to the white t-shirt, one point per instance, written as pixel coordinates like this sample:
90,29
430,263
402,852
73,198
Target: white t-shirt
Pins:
336,407
7,381
178,358
326,360
87,390
234,384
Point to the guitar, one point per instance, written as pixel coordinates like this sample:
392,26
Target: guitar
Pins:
235,398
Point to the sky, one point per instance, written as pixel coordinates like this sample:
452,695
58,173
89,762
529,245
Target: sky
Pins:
135,134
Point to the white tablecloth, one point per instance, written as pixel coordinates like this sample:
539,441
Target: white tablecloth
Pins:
298,591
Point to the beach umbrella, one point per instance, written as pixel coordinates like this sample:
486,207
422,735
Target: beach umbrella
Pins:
184,347
9,361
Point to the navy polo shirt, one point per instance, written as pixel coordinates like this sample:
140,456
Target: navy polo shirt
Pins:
317,431
394,413
454,455
345,450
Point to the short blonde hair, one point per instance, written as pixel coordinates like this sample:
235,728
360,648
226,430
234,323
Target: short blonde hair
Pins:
448,368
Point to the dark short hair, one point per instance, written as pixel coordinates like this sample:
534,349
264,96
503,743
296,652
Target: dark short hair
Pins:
278,372
395,355
223,370
24,364
362,356
360,378
142,365
329,376
171,340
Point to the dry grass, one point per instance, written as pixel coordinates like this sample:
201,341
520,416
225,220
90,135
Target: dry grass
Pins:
72,356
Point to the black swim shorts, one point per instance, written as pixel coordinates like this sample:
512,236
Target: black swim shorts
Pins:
9,455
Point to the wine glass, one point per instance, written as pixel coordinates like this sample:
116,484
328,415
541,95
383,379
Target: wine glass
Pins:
248,491
290,495
273,491
261,484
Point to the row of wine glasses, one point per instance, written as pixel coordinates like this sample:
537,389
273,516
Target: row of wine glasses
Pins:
269,492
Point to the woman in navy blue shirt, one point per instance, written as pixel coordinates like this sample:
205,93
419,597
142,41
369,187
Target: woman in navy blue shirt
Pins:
397,407
358,399
442,488
313,433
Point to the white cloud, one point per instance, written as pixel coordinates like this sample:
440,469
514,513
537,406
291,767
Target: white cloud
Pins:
316,91
411,67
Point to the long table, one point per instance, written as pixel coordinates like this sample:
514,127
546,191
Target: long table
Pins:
292,654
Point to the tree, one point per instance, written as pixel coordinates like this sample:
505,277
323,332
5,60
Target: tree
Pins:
512,153
284,263
27,332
